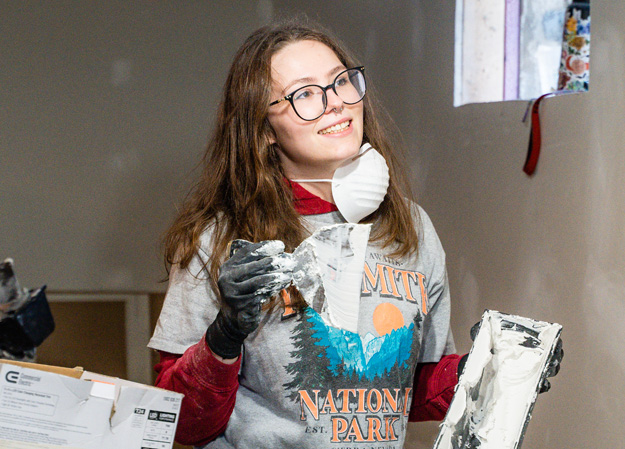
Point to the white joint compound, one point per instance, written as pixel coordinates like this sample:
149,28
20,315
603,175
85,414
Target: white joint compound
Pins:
496,392
329,272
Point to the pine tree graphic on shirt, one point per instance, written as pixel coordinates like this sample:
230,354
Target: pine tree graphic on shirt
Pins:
328,358
309,353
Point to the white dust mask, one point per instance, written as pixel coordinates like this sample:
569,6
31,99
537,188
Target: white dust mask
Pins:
359,185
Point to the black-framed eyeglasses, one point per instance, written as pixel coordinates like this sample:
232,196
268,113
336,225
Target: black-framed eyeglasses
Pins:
310,102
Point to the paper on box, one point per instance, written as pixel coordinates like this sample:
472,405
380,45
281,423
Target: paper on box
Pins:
45,409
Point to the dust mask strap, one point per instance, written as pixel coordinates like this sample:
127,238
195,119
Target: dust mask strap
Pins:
359,185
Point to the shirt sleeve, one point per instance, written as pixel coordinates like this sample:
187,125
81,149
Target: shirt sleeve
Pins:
187,365
436,337
190,305
209,387
436,375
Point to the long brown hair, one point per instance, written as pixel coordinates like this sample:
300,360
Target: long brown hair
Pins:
242,193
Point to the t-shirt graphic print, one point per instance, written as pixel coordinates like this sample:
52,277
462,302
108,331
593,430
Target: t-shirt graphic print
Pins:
354,389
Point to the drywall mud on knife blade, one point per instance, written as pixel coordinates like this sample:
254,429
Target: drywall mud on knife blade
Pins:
335,255
496,392
307,277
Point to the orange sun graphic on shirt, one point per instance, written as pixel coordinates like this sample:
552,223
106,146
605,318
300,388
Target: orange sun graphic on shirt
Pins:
387,318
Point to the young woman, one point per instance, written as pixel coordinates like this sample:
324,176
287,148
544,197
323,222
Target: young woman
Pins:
258,367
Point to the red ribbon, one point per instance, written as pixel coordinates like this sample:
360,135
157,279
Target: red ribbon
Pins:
533,150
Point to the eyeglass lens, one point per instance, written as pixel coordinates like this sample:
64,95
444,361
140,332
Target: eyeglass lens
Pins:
310,102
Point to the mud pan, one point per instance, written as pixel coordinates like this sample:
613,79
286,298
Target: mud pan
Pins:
496,393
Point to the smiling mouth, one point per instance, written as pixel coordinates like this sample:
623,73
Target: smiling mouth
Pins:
336,128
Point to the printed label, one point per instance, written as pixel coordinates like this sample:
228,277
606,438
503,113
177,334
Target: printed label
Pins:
159,430
37,402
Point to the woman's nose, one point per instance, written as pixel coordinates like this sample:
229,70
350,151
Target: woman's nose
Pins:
335,103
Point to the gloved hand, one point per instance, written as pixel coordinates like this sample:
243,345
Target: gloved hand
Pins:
463,360
553,366
254,273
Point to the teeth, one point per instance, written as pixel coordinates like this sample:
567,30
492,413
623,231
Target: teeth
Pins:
336,128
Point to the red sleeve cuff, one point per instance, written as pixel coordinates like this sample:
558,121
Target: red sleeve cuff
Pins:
212,372
209,387
433,389
200,364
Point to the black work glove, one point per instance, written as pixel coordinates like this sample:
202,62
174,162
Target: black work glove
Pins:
254,273
463,360
553,366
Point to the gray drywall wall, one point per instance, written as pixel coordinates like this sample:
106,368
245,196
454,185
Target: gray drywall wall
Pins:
105,110
550,247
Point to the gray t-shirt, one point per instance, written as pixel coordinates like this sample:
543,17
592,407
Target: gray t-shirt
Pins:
304,384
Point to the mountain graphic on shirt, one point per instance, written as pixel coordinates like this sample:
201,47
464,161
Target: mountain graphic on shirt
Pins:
326,357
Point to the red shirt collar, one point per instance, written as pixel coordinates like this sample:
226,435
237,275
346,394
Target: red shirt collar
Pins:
307,203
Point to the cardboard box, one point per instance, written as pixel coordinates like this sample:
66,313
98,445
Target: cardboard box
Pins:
51,407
